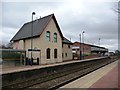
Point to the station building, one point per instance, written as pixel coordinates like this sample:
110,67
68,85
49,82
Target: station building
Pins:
46,41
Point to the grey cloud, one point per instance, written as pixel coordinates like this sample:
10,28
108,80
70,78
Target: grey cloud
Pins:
98,20
15,13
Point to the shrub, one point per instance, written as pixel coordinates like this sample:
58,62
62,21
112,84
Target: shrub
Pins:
10,55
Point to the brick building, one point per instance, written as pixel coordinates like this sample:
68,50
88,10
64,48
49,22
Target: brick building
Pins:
87,49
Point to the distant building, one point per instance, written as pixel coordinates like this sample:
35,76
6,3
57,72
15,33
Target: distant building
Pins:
47,40
97,50
111,53
87,49
117,52
76,48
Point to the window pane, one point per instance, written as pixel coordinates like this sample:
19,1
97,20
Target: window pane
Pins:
62,55
48,53
48,36
55,37
68,46
66,54
55,53
48,39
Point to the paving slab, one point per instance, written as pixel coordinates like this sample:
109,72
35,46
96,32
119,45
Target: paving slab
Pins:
88,80
110,80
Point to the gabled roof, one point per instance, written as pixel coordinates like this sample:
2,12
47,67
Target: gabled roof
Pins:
65,40
39,26
90,45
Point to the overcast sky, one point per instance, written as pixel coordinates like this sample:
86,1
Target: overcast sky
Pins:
96,17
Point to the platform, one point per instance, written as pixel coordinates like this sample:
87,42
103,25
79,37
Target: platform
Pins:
105,77
28,67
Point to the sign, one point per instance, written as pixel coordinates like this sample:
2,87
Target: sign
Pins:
33,50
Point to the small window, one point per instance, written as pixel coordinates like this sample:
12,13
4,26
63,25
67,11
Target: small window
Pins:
66,54
68,46
62,45
48,53
48,36
24,44
55,37
55,53
62,55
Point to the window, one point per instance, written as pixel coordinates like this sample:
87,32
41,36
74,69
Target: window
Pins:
55,53
62,55
48,53
66,54
55,37
87,49
48,36
24,44
68,46
62,45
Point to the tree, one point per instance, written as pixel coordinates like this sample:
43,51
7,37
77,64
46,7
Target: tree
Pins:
2,46
116,7
9,45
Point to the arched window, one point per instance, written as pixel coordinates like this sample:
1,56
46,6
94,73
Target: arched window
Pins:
55,53
48,53
48,35
66,54
55,37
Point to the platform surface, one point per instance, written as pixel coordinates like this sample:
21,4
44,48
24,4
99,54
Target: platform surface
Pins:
105,77
28,67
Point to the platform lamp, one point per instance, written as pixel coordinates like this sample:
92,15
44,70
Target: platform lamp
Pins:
80,48
33,13
99,45
83,42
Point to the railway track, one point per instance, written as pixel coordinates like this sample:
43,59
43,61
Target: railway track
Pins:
58,78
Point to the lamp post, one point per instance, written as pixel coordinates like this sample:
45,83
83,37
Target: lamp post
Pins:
33,13
80,48
99,45
83,42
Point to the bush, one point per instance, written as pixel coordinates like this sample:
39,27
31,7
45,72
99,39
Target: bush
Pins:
10,55
87,54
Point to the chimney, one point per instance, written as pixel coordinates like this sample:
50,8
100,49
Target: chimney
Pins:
70,39
36,19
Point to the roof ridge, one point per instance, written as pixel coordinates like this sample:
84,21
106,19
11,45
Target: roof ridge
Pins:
47,21
90,44
39,27
39,18
65,40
